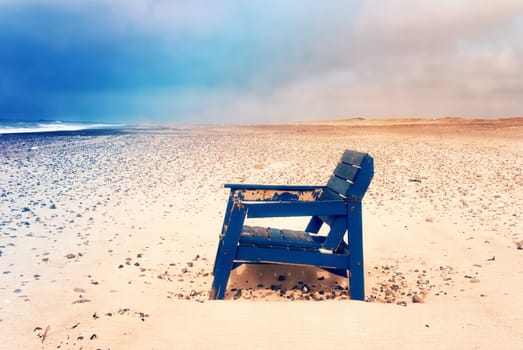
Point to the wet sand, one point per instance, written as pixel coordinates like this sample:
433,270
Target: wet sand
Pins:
107,240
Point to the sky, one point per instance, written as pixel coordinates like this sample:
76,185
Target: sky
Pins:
219,61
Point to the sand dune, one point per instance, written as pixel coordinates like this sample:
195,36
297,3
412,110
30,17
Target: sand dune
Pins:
108,241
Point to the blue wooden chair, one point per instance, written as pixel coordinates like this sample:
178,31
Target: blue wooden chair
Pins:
338,204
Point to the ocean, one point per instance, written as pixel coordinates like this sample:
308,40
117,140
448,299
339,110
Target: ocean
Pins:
51,126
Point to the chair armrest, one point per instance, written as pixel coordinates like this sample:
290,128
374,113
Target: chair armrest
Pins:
259,209
272,187
246,192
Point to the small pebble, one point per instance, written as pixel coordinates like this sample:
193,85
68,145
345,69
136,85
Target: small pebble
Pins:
281,278
417,299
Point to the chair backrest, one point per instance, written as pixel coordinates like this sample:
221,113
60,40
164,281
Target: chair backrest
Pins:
351,178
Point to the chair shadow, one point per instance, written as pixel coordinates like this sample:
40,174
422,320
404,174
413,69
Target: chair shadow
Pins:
277,282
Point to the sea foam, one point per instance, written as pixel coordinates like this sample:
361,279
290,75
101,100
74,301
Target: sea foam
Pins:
13,127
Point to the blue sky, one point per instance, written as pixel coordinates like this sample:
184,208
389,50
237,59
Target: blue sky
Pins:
259,61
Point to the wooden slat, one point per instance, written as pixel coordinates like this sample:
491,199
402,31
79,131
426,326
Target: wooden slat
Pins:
275,235
353,157
281,209
247,231
329,194
346,171
304,236
262,254
338,185
289,235
261,236
296,236
260,232
272,187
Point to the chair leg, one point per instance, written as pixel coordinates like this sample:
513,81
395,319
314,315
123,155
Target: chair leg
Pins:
356,279
227,251
221,277
226,222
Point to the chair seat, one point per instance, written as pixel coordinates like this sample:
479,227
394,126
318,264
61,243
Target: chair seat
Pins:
266,236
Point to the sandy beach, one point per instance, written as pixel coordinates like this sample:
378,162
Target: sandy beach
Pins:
108,239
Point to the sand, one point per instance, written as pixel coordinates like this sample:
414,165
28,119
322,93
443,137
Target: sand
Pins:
107,240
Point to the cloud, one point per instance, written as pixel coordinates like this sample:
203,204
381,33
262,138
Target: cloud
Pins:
241,60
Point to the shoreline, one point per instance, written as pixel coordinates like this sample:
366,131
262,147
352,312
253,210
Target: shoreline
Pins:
355,122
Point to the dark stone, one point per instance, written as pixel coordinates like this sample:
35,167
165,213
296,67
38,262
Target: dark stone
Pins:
237,294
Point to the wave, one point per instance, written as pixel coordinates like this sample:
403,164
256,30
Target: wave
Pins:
50,126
